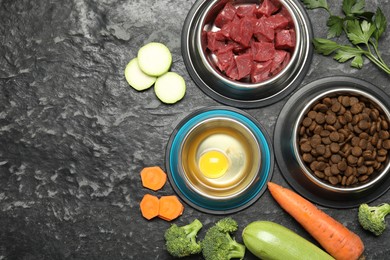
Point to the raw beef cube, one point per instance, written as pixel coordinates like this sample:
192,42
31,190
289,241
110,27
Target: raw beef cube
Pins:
267,8
237,47
247,10
263,51
285,39
277,21
260,71
242,31
232,71
283,11
278,62
244,65
226,15
215,40
226,28
263,31
225,57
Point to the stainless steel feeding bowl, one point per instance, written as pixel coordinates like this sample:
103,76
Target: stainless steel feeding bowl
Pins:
201,63
300,173
219,160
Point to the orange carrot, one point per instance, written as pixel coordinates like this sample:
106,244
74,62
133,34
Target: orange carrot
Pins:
149,206
153,178
170,208
335,238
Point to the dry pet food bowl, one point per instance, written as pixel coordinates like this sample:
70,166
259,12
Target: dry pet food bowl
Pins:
219,160
356,168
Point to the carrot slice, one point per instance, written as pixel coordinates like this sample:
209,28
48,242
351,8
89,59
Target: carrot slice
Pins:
149,206
153,178
335,238
170,208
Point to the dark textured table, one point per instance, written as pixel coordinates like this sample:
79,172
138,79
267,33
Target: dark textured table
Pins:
74,136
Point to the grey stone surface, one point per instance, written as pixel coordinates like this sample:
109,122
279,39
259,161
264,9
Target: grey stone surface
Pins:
74,136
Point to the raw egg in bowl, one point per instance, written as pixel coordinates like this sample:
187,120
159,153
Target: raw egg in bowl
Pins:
219,159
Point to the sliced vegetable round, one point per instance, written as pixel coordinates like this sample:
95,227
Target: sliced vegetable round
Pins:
170,87
136,77
154,59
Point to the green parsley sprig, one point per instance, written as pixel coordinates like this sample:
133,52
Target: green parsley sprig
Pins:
362,28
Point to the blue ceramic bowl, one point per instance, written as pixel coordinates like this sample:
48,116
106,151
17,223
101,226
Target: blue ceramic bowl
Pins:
213,184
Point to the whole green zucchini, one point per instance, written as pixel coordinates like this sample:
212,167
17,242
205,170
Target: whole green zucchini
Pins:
270,241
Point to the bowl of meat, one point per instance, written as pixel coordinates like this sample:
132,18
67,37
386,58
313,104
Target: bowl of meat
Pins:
247,53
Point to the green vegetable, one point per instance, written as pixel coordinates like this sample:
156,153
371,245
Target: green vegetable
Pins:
372,218
181,241
270,241
170,87
362,28
218,243
154,59
136,77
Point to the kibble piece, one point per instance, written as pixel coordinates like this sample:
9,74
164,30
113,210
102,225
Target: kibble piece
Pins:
333,180
345,101
352,160
334,136
334,169
363,178
306,147
319,174
385,125
382,152
335,158
327,101
363,125
330,118
325,133
320,149
320,166
320,118
312,114
342,166
334,147
307,122
357,151
357,108
307,157
362,170
336,107
386,144
383,134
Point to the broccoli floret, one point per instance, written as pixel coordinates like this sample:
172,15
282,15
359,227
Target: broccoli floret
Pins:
218,243
373,218
181,241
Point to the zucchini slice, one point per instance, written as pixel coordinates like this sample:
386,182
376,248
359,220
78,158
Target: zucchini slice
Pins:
136,77
154,59
170,88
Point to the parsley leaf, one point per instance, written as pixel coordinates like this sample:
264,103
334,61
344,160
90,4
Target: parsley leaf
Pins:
346,53
359,33
353,7
313,4
380,24
362,28
335,25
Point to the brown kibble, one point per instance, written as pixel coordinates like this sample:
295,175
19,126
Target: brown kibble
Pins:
348,171
307,122
342,166
352,160
320,107
381,158
320,166
312,114
334,147
324,133
350,180
327,101
383,134
345,101
330,118
357,108
336,107
306,147
334,136
334,169
342,120
318,129
320,149
327,171
363,144
363,125
362,170
386,144
385,125
307,157
357,151
344,180
382,152
315,141
363,178
335,158
355,141
320,118
333,180
319,174
360,161
326,140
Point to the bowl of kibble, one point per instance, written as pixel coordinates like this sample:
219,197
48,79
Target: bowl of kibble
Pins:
339,141
247,53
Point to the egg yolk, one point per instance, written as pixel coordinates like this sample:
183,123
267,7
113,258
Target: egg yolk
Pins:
213,164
